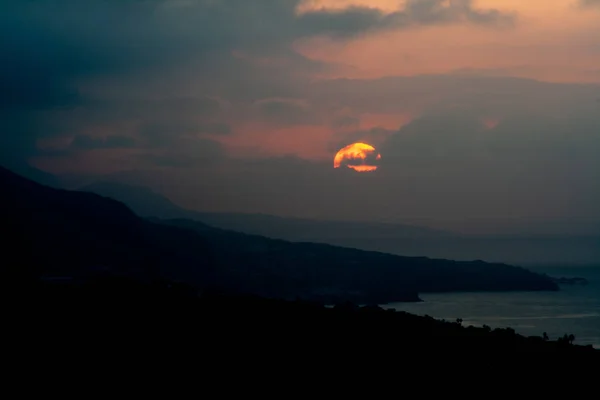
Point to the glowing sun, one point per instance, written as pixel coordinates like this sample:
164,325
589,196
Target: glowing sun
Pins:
361,157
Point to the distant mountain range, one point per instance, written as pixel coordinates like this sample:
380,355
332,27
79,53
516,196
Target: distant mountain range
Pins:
69,234
398,239
148,203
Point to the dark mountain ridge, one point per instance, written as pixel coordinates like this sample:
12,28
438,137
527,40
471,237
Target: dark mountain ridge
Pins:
60,232
147,203
399,239
334,267
64,233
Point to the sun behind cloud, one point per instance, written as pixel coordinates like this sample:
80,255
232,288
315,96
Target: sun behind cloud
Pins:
360,157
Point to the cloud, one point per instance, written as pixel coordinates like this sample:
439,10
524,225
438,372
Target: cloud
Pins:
86,142
528,162
374,136
346,121
215,128
104,37
442,165
589,3
160,134
453,93
169,132
185,153
440,11
286,111
113,57
192,104
186,84
358,20
553,142
179,143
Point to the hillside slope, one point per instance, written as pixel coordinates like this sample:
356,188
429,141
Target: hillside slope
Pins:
314,265
147,203
52,232
393,238
59,232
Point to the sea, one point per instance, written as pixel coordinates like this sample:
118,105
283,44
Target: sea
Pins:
574,309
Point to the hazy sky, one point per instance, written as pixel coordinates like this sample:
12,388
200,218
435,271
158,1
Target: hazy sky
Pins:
479,109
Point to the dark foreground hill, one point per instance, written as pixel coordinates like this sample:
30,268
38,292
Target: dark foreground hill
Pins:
53,232
109,313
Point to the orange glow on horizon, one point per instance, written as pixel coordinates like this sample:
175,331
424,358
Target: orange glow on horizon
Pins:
363,168
355,156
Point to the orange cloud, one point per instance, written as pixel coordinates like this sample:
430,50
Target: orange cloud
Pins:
552,41
260,139
392,121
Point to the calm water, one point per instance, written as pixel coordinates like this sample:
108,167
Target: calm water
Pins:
574,309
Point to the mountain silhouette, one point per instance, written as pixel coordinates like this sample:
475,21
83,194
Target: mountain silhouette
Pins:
27,171
142,200
338,272
399,239
68,233
147,203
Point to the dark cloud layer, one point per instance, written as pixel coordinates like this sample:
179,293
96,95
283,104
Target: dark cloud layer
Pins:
374,136
184,152
286,111
537,160
438,167
57,47
161,85
86,142
358,20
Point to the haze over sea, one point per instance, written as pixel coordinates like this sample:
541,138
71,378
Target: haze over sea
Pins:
575,309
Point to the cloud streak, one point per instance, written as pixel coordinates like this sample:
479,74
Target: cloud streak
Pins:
86,142
359,20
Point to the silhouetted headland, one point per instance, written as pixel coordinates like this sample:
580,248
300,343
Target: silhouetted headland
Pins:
69,233
399,239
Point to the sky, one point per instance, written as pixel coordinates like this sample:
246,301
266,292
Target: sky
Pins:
485,113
